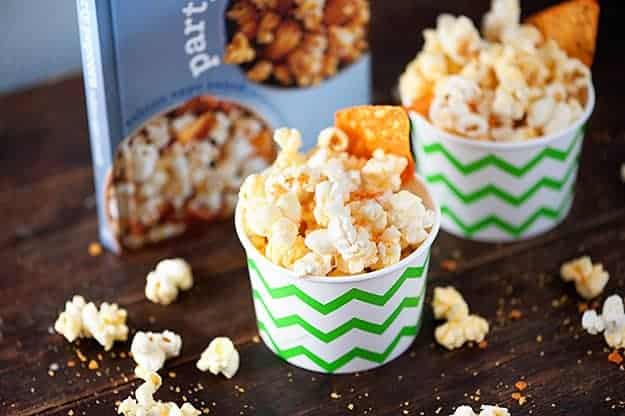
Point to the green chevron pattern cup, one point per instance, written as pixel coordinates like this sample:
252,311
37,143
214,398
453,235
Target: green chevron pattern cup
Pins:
500,192
340,324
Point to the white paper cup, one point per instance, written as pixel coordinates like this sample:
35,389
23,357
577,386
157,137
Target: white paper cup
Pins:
500,192
340,324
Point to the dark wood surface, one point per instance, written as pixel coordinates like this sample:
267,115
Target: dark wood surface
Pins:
46,201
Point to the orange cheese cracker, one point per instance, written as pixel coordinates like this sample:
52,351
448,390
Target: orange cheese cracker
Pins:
573,25
371,127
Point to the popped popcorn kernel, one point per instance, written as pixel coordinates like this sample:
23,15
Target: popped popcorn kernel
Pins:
454,334
590,279
167,279
220,356
611,322
448,304
150,350
461,327
145,404
486,410
84,320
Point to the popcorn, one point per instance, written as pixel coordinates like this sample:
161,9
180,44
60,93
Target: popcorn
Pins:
164,282
220,357
150,350
461,327
69,322
330,212
458,38
106,325
486,410
84,320
452,107
592,323
454,334
448,304
182,167
299,42
383,172
282,237
513,86
589,278
369,214
407,212
353,244
503,14
313,264
145,405
611,322
389,248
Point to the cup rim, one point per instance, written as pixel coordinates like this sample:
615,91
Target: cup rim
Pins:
521,145
428,200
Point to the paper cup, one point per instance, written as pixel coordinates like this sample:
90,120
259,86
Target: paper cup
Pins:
340,324
500,192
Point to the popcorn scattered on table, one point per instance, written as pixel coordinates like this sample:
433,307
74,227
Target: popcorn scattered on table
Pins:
332,213
611,322
485,411
590,279
144,403
461,327
150,350
511,86
84,320
220,356
164,282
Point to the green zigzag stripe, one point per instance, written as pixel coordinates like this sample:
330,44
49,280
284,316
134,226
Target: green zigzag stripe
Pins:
501,164
354,323
513,200
356,352
352,294
511,229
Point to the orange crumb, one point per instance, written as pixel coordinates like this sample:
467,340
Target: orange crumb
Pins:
93,365
71,363
81,356
482,344
615,357
520,385
449,265
519,398
171,374
95,249
582,307
515,314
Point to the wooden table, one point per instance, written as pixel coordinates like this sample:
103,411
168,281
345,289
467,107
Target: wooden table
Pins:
47,204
